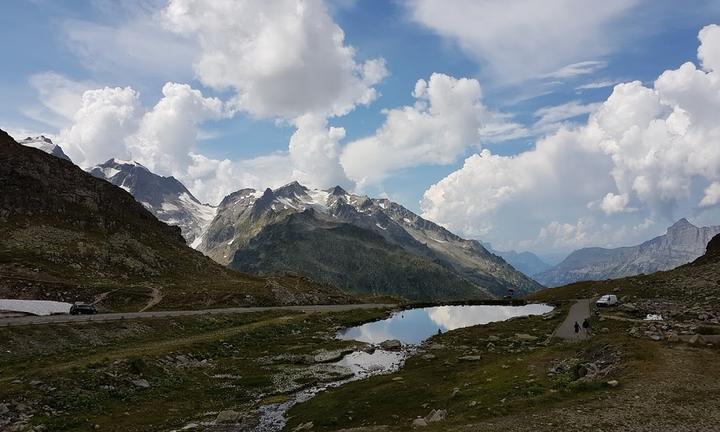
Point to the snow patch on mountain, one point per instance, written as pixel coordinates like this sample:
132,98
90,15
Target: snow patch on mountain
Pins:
45,144
165,197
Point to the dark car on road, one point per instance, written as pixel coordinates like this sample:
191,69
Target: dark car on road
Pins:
82,309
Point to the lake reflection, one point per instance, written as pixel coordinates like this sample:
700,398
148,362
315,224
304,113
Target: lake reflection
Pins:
415,325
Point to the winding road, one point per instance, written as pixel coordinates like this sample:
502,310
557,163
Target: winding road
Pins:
65,319
577,314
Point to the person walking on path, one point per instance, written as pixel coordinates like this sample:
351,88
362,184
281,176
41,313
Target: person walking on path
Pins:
577,327
586,326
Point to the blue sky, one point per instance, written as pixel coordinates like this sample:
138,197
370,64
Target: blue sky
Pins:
499,64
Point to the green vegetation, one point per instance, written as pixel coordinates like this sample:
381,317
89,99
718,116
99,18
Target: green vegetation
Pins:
157,374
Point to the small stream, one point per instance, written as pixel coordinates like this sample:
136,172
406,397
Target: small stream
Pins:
411,327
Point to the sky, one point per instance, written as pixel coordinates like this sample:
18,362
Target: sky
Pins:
541,126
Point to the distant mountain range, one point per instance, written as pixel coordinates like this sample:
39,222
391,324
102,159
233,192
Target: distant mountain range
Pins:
526,262
167,198
682,243
66,235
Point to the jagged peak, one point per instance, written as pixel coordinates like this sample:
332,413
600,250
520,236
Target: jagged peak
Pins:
337,190
291,188
680,225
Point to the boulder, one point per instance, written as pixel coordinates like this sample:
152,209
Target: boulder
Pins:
613,383
470,358
142,383
524,337
419,422
391,345
436,416
227,416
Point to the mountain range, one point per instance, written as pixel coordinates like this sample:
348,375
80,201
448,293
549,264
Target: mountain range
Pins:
67,235
357,243
682,243
526,262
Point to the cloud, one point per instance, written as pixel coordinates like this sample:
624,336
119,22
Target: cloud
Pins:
59,98
106,117
597,85
447,117
711,196
550,115
577,69
657,148
168,133
139,47
613,203
315,153
507,36
283,59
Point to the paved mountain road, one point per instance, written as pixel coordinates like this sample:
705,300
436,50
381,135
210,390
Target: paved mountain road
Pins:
65,319
577,314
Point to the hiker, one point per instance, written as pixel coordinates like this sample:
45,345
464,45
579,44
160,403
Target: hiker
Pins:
586,324
577,327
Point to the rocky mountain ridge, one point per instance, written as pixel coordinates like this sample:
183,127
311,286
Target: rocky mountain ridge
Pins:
682,243
335,217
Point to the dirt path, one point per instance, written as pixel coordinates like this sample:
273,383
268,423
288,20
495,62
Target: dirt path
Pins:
64,319
577,314
154,299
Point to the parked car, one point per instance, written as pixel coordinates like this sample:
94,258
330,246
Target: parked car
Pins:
82,309
607,300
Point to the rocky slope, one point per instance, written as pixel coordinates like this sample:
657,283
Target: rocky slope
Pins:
66,235
682,243
358,243
45,144
165,197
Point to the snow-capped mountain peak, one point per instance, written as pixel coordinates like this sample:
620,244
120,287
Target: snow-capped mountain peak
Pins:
45,144
166,197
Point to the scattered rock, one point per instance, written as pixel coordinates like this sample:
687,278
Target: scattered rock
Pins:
613,383
419,422
604,330
304,427
456,391
470,358
429,356
524,337
143,383
436,416
228,416
391,345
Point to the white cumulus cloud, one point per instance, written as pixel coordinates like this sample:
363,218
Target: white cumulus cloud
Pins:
284,58
657,147
448,116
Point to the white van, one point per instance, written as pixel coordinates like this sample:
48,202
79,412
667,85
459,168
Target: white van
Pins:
607,300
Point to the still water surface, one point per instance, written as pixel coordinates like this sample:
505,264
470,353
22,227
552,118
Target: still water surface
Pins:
415,325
